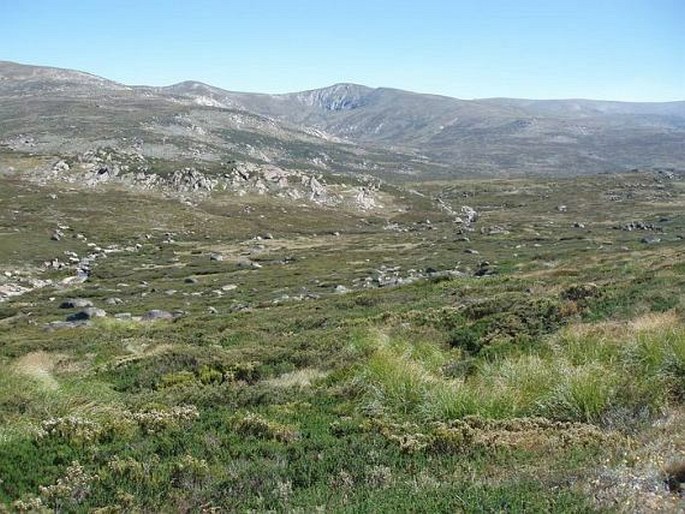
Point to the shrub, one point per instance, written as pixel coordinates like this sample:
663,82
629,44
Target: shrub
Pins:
254,425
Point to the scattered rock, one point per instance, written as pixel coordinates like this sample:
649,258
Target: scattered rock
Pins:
471,251
75,303
638,225
189,180
87,314
9,290
57,325
191,280
467,215
484,269
212,310
494,230
240,307
650,240
114,301
60,166
340,289
156,314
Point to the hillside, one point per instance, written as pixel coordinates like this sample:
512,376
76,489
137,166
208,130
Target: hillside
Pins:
342,128
492,136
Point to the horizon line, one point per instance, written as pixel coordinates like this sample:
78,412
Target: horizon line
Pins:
348,83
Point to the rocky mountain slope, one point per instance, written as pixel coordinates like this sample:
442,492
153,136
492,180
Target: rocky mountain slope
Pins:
47,111
490,135
343,128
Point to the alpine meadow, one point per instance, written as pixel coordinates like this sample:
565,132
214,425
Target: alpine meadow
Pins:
349,299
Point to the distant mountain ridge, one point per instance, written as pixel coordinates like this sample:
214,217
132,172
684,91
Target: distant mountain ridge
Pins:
488,136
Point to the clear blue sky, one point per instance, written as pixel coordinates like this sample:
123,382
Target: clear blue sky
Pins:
604,49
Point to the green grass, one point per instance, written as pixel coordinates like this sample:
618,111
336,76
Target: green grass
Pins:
569,378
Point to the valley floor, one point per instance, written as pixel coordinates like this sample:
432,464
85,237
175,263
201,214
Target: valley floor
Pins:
252,354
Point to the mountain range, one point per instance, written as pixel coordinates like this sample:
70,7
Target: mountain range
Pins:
342,128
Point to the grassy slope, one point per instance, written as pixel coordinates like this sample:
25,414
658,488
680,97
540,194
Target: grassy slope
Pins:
554,385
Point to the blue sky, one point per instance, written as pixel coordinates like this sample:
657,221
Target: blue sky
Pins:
604,49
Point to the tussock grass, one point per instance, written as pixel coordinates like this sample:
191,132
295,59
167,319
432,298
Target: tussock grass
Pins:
585,373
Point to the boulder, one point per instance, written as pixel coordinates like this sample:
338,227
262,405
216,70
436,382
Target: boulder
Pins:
75,303
157,314
87,314
468,214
